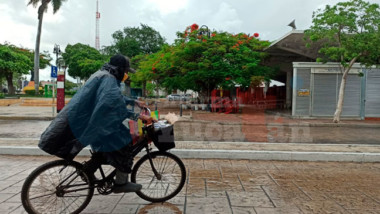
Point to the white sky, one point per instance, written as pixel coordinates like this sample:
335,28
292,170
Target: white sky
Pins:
75,21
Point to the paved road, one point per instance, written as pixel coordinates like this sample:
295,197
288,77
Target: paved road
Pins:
232,186
217,131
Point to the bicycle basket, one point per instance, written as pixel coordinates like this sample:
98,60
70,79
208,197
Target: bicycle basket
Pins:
163,138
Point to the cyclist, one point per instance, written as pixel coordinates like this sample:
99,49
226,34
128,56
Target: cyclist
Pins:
94,117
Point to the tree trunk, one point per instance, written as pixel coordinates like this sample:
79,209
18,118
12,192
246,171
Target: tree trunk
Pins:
144,89
127,88
1,85
32,75
203,97
41,11
157,90
339,106
11,88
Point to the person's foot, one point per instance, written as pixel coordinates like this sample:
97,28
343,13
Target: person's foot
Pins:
128,187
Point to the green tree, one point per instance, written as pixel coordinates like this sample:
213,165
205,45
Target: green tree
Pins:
41,10
70,85
83,60
132,41
202,63
156,68
12,61
44,60
350,32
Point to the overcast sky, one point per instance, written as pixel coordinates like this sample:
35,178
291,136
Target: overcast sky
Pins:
75,21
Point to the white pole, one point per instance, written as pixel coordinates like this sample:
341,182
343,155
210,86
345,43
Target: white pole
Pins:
53,95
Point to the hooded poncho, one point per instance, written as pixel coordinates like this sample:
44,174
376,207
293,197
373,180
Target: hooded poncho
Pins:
93,117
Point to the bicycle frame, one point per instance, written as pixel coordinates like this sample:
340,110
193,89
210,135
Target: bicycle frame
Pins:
137,148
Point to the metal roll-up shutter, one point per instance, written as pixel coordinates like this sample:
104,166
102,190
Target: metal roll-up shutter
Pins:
351,102
372,104
324,94
303,82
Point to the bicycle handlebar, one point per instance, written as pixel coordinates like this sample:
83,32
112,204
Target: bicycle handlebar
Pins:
147,109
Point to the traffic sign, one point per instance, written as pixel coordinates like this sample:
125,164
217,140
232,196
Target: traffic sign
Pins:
54,71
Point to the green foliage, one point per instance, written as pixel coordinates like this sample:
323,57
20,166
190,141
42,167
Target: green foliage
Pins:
83,60
133,41
32,92
13,60
56,4
44,61
69,85
2,95
150,88
202,63
349,31
70,93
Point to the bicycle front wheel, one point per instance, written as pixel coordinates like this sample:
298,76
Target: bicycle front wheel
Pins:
166,184
57,187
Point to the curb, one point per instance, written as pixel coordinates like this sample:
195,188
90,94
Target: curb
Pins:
302,124
187,120
26,118
231,154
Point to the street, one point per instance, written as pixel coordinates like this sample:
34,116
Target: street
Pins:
224,131
231,186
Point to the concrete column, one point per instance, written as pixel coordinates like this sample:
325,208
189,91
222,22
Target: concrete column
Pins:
289,76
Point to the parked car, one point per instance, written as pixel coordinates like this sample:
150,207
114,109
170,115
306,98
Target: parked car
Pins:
172,97
186,97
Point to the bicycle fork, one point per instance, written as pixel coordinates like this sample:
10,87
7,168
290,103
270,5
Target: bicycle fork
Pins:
158,175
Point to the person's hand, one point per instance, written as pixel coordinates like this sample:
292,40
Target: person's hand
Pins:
147,119
140,104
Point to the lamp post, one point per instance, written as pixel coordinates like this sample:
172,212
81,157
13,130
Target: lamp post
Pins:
204,30
60,80
57,52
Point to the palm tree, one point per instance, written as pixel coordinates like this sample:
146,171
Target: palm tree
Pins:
41,10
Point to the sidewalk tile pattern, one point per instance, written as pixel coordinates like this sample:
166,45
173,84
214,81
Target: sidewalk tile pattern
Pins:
231,187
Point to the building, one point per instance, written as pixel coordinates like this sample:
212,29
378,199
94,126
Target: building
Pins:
312,88
316,90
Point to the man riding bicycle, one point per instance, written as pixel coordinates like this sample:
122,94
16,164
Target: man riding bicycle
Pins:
94,117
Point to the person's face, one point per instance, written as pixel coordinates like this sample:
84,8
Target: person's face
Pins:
125,76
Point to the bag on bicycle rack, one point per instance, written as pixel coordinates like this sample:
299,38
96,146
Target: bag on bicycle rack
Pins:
58,139
163,137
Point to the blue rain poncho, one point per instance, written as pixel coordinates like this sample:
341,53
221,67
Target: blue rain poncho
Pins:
94,117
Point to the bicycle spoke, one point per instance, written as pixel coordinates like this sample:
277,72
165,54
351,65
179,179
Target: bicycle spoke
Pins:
42,196
170,182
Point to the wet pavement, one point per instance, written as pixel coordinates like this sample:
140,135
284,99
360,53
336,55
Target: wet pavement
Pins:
232,186
196,130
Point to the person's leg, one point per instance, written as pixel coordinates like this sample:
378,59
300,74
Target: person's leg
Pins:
122,183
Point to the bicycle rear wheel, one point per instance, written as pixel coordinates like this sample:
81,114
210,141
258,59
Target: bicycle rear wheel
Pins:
57,187
169,182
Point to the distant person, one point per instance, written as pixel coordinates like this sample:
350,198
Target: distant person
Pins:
94,117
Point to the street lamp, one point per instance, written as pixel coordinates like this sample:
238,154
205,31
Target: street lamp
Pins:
203,30
57,51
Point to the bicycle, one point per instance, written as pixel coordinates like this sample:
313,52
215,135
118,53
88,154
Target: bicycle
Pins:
63,186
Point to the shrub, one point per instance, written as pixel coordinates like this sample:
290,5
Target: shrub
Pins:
32,92
70,93
2,95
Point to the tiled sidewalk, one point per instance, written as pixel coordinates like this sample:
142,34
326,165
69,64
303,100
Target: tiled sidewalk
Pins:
232,186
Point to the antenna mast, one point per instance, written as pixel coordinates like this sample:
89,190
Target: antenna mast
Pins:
97,43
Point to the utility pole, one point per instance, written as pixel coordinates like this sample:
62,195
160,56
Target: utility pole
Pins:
97,42
57,51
